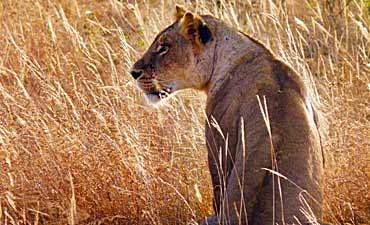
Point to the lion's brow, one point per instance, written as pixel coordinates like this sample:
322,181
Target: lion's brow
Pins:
163,31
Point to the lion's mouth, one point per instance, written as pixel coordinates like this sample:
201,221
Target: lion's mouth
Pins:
154,90
156,96
164,93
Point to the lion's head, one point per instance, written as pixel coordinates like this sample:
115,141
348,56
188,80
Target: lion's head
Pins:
173,60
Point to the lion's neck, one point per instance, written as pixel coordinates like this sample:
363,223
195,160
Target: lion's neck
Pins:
231,49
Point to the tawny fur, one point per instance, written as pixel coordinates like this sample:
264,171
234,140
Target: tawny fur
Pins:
233,69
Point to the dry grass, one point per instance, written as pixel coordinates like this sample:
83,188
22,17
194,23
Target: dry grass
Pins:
78,145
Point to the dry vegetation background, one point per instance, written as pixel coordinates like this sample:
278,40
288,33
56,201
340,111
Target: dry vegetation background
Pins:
79,145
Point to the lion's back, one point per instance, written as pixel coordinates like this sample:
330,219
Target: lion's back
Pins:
272,112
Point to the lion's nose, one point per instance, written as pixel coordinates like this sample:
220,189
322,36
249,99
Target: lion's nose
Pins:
136,73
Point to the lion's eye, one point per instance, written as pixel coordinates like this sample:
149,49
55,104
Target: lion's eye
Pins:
162,49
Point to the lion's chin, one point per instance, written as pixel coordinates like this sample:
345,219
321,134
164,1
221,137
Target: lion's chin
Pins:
152,98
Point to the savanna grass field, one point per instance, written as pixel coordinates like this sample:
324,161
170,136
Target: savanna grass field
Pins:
80,145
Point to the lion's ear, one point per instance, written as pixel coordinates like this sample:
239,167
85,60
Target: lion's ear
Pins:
193,28
205,33
180,12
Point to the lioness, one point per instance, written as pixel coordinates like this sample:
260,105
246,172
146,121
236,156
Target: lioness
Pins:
264,155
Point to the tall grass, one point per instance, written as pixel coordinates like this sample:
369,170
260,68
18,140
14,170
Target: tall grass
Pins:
79,145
